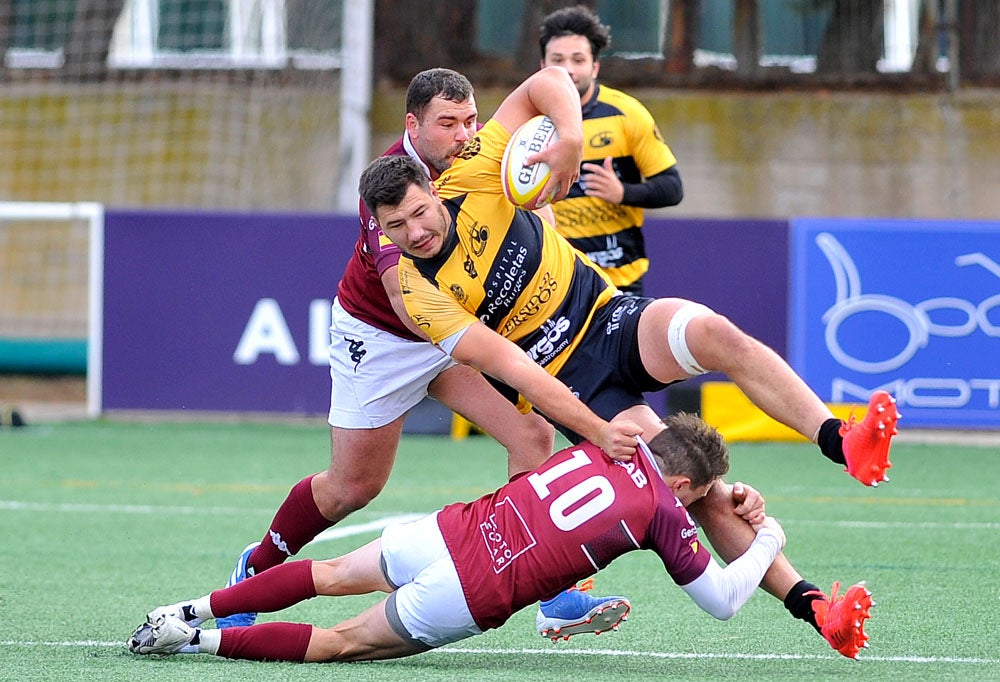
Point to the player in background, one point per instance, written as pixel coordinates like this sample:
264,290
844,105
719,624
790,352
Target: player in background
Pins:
382,365
468,567
529,310
627,166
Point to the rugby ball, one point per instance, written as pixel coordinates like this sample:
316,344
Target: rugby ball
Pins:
522,184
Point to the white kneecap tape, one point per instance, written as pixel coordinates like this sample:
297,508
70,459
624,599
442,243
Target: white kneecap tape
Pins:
677,336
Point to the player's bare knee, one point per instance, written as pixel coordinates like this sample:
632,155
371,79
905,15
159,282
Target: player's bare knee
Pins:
536,443
338,497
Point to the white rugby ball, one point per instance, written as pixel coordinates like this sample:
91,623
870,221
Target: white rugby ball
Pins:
523,184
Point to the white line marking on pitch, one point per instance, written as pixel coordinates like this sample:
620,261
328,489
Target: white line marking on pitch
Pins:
14,505
345,531
557,651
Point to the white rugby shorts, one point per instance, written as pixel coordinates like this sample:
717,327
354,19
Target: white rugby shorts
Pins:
376,376
429,602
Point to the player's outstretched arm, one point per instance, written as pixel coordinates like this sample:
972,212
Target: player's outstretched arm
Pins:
723,591
487,351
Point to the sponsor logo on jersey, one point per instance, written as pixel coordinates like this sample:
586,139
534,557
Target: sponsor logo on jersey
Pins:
470,267
479,235
627,308
552,341
609,256
601,139
570,213
534,304
506,281
458,292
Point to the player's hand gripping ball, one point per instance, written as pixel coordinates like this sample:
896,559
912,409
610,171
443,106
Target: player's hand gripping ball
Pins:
522,184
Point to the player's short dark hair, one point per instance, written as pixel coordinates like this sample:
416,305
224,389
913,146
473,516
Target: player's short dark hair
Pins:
386,179
690,447
444,83
575,21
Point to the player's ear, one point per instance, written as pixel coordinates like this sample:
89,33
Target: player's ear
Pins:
679,483
411,124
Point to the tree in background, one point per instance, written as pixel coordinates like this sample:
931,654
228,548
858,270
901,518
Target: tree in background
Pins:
682,36
852,42
979,27
86,51
422,34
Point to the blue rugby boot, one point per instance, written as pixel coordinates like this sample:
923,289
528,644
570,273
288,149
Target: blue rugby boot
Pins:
573,612
240,573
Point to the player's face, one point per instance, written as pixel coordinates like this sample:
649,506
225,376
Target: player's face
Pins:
689,495
442,131
573,53
418,225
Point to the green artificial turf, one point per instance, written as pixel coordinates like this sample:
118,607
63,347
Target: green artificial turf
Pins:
102,521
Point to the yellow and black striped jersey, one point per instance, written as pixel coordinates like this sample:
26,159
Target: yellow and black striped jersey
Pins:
619,126
501,265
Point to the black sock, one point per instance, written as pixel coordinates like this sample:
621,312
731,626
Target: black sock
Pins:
799,603
831,443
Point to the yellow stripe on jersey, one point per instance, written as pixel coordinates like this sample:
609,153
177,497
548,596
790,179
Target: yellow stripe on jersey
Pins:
502,266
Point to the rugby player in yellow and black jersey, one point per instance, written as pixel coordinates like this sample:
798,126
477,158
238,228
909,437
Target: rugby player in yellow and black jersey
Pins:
480,274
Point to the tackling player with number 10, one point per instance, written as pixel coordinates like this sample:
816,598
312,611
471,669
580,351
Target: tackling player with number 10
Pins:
468,567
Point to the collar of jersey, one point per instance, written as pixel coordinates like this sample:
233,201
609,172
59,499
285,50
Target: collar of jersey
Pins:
589,106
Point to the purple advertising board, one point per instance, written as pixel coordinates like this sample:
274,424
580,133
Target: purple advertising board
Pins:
911,306
739,268
230,311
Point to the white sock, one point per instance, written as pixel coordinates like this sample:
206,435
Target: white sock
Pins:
202,607
209,642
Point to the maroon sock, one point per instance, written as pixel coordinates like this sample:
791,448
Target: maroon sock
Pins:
267,642
297,521
270,591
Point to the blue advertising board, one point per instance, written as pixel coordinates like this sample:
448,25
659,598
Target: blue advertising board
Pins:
911,306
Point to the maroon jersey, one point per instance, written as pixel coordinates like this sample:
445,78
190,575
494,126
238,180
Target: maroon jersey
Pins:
546,530
360,290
